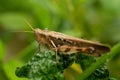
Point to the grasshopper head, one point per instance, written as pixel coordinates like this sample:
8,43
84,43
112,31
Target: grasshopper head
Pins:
41,36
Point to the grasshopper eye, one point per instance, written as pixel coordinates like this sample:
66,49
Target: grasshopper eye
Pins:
59,38
64,40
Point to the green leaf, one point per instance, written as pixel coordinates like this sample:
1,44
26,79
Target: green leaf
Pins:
9,68
2,50
42,66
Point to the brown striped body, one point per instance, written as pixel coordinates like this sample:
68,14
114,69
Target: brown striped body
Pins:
67,44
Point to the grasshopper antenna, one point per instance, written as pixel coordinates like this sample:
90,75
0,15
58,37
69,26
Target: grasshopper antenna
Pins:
29,24
23,31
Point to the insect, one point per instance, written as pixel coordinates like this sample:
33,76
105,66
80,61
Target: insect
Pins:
65,44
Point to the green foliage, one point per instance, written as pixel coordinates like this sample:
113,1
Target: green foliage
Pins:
100,72
2,50
43,66
2,55
9,69
96,20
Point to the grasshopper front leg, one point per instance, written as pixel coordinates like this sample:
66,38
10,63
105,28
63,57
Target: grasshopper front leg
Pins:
56,50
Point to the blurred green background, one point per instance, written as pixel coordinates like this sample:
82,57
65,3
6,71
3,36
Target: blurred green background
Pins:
96,20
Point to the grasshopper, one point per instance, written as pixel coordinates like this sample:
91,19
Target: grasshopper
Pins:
61,43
